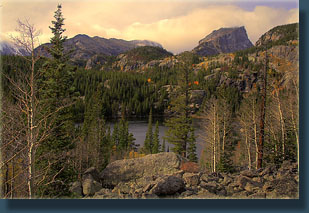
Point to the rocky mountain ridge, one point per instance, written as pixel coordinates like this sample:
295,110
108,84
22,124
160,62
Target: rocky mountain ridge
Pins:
84,47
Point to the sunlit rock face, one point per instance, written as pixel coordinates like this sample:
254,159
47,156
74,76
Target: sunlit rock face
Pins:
223,40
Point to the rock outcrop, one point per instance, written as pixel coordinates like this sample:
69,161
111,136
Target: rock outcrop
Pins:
166,163
223,40
161,176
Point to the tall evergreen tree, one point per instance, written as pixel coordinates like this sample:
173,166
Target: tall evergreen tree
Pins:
148,143
180,124
57,92
122,139
156,140
192,147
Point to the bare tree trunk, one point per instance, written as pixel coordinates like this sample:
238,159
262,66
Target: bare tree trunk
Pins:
214,138
262,119
224,134
295,129
12,179
248,148
281,124
255,133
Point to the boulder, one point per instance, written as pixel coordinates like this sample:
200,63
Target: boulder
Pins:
123,188
90,187
91,173
191,179
76,188
249,173
168,185
211,187
106,193
285,188
242,181
165,163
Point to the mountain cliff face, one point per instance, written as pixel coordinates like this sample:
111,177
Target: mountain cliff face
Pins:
224,40
85,47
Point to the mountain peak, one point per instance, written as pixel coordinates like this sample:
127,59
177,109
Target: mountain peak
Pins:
223,40
8,48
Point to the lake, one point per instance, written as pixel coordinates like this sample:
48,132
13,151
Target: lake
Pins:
139,127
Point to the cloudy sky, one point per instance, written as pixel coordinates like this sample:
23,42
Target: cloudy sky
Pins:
176,24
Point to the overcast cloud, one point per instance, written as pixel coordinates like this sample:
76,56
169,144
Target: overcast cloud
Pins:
177,25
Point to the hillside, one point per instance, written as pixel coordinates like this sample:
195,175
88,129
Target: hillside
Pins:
139,57
84,47
280,35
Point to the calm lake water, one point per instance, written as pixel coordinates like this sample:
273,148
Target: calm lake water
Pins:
138,127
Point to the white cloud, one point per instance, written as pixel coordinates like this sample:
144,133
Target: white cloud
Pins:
177,25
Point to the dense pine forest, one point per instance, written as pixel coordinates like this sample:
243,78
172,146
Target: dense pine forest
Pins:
55,111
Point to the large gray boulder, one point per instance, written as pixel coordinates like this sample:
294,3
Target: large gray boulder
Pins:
91,173
165,163
90,187
168,185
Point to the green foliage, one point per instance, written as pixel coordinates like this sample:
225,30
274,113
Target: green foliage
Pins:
122,140
286,33
148,143
156,140
180,124
192,147
57,50
57,95
147,53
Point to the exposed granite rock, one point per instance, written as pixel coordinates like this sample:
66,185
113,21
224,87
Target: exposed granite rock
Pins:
90,187
130,169
168,185
223,40
154,183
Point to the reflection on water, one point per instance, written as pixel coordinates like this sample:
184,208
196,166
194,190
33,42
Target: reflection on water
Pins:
138,127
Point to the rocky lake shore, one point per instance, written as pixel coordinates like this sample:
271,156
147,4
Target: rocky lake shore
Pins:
166,175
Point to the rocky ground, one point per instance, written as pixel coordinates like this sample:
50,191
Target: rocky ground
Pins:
166,175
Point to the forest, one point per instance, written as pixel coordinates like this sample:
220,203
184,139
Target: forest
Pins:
54,113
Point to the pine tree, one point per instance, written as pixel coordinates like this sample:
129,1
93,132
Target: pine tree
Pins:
57,51
180,123
156,140
192,147
57,92
122,139
148,143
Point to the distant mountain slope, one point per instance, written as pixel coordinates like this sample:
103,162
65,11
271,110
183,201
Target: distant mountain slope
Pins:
7,48
139,57
85,47
223,40
279,35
